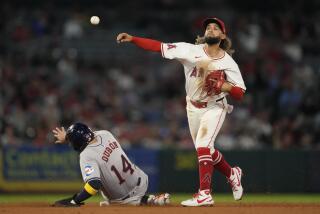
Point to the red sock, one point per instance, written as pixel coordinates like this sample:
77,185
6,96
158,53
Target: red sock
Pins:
205,168
221,164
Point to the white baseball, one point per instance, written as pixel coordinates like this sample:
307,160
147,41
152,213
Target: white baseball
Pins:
94,20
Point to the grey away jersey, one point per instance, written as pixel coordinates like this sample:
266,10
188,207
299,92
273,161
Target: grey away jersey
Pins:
106,160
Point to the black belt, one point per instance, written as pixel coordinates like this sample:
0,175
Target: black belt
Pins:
138,184
219,99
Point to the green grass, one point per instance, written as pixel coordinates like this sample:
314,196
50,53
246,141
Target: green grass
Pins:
175,198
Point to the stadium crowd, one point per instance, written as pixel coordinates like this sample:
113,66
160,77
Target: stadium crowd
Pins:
52,72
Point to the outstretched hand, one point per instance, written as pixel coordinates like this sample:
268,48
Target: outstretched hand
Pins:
124,37
59,134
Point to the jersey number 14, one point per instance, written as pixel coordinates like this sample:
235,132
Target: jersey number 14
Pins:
126,166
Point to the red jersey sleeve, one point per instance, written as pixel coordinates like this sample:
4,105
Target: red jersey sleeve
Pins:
147,44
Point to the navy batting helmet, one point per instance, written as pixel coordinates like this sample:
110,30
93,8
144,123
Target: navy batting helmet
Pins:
79,135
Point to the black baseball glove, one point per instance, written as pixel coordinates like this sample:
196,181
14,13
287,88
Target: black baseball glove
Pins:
67,203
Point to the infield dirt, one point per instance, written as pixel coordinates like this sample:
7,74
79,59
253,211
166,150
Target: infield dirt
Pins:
223,208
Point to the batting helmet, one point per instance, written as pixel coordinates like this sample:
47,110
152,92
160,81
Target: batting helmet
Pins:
79,135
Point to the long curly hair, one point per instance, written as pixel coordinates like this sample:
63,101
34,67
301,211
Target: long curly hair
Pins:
225,44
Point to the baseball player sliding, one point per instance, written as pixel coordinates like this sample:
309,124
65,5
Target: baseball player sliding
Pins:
211,74
105,167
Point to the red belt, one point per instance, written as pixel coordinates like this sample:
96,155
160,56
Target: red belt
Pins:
199,104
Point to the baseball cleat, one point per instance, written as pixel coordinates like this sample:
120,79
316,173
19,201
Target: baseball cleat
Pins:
235,183
159,200
202,198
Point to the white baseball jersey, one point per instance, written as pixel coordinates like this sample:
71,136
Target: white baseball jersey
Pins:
189,55
204,123
106,161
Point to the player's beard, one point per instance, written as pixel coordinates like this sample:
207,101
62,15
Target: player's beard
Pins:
210,40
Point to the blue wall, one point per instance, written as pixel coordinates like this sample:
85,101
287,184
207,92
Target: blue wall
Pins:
56,169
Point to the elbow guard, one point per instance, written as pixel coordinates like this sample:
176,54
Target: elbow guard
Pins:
93,186
90,188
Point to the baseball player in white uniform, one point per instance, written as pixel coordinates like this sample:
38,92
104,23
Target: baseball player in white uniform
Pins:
211,74
106,167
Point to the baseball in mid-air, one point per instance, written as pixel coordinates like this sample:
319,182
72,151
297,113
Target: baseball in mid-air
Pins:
94,20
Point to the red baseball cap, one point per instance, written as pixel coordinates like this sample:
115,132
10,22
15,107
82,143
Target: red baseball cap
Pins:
219,22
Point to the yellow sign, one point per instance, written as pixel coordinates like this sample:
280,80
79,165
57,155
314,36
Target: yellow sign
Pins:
38,171
186,161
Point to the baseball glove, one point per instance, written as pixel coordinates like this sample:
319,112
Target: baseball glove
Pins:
213,82
67,203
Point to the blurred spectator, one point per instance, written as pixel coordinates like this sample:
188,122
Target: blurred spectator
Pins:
9,137
73,28
56,69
